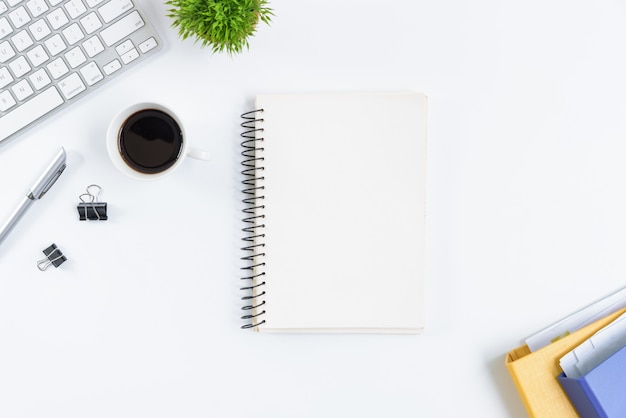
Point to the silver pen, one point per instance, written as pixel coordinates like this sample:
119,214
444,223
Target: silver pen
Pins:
39,189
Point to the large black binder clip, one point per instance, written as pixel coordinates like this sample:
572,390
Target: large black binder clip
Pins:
90,208
54,257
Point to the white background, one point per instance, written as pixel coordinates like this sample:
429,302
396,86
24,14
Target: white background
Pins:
526,218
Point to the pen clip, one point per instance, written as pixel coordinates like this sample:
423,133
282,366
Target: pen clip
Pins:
51,182
48,177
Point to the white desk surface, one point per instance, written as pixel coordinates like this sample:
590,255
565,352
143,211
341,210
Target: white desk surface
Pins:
526,218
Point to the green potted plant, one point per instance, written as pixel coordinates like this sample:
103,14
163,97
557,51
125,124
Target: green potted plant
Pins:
225,25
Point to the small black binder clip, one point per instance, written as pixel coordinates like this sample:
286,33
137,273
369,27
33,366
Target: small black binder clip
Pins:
90,208
54,257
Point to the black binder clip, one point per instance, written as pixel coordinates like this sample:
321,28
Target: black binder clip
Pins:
54,257
90,208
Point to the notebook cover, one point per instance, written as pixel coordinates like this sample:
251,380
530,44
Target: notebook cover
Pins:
600,393
344,189
535,373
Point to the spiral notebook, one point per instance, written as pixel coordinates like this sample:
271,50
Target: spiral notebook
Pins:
334,217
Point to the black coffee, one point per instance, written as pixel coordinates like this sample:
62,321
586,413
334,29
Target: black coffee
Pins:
150,141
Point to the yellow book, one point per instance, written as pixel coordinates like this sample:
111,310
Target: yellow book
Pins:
535,373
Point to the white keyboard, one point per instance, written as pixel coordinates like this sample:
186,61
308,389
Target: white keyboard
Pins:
52,52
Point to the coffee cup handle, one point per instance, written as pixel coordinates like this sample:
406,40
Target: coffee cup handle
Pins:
199,154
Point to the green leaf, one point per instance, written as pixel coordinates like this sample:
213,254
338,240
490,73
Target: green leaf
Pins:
225,25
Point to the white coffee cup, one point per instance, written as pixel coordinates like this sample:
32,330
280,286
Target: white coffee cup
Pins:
134,163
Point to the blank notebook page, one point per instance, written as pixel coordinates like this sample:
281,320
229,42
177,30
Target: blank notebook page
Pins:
345,187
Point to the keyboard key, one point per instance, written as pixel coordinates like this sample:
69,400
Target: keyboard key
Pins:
21,40
91,73
40,79
57,19
71,86
114,8
13,2
35,108
147,45
5,77
124,47
6,102
75,57
57,68
37,7
73,33
93,3
37,56
55,44
19,66
22,90
93,46
122,28
3,7
6,51
39,29
19,17
130,56
75,8
112,67
5,27
91,23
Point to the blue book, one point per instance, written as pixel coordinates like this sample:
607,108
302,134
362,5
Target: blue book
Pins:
600,393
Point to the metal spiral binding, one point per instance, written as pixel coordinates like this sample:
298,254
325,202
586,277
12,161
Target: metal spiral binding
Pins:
253,220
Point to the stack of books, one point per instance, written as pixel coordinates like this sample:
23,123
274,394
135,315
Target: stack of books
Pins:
577,366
